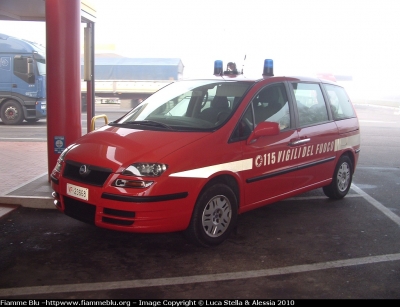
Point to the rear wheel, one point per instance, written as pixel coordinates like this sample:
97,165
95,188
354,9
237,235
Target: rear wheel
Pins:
11,113
342,178
214,216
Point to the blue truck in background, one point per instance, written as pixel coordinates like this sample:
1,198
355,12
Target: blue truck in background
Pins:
22,80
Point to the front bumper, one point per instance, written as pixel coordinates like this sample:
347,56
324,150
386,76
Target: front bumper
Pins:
130,210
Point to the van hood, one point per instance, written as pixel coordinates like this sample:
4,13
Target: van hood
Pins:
117,148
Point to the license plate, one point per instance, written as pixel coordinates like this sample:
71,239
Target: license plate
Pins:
43,107
78,192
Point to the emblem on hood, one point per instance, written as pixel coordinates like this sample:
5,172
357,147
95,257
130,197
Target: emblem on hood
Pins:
84,170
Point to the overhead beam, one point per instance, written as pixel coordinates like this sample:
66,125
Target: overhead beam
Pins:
34,10
5,15
22,10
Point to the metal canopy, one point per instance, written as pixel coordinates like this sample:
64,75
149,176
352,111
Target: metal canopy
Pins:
23,10
34,10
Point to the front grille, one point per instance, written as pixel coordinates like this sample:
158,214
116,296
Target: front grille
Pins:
79,210
85,212
96,176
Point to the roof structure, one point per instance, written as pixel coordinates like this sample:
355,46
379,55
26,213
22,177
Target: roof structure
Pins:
120,68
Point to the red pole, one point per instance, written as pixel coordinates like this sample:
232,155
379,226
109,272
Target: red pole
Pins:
63,20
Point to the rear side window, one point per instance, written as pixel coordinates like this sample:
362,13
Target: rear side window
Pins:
310,104
339,102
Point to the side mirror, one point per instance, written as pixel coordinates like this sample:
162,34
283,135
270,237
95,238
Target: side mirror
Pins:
30,74
263,129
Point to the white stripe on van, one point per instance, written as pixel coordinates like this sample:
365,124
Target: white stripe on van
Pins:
247,164
205,172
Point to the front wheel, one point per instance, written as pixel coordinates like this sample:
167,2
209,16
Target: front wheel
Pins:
11,113
342,178
214,216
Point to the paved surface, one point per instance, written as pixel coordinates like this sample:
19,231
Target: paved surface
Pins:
24,172
308,247
24,179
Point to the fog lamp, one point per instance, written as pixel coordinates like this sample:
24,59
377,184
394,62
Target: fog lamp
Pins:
123,183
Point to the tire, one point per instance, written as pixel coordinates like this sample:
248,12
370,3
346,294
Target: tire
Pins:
214,216
341,180
11,113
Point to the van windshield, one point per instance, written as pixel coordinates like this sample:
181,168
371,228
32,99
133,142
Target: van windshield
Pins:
189,105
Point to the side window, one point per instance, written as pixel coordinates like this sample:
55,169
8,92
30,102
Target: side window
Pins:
271,104
339,102
23,69
310,104
20,65
244,127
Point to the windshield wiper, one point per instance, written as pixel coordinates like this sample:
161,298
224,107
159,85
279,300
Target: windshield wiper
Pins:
148,123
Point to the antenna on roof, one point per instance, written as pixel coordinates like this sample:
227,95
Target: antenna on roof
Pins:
243,63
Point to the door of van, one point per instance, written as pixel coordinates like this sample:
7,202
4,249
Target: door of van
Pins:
317,134
271,175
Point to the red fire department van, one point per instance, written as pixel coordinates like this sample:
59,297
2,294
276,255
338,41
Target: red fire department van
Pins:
197,153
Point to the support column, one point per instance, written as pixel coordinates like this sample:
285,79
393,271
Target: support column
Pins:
63,20
89,73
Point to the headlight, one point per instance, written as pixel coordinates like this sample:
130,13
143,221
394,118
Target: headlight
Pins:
145,169
60,159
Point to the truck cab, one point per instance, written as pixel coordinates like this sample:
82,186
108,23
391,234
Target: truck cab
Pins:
22,80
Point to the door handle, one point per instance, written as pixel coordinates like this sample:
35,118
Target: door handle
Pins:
299,142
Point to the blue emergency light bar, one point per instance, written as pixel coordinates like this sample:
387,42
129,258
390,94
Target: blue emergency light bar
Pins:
268,68
267,72
218,67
